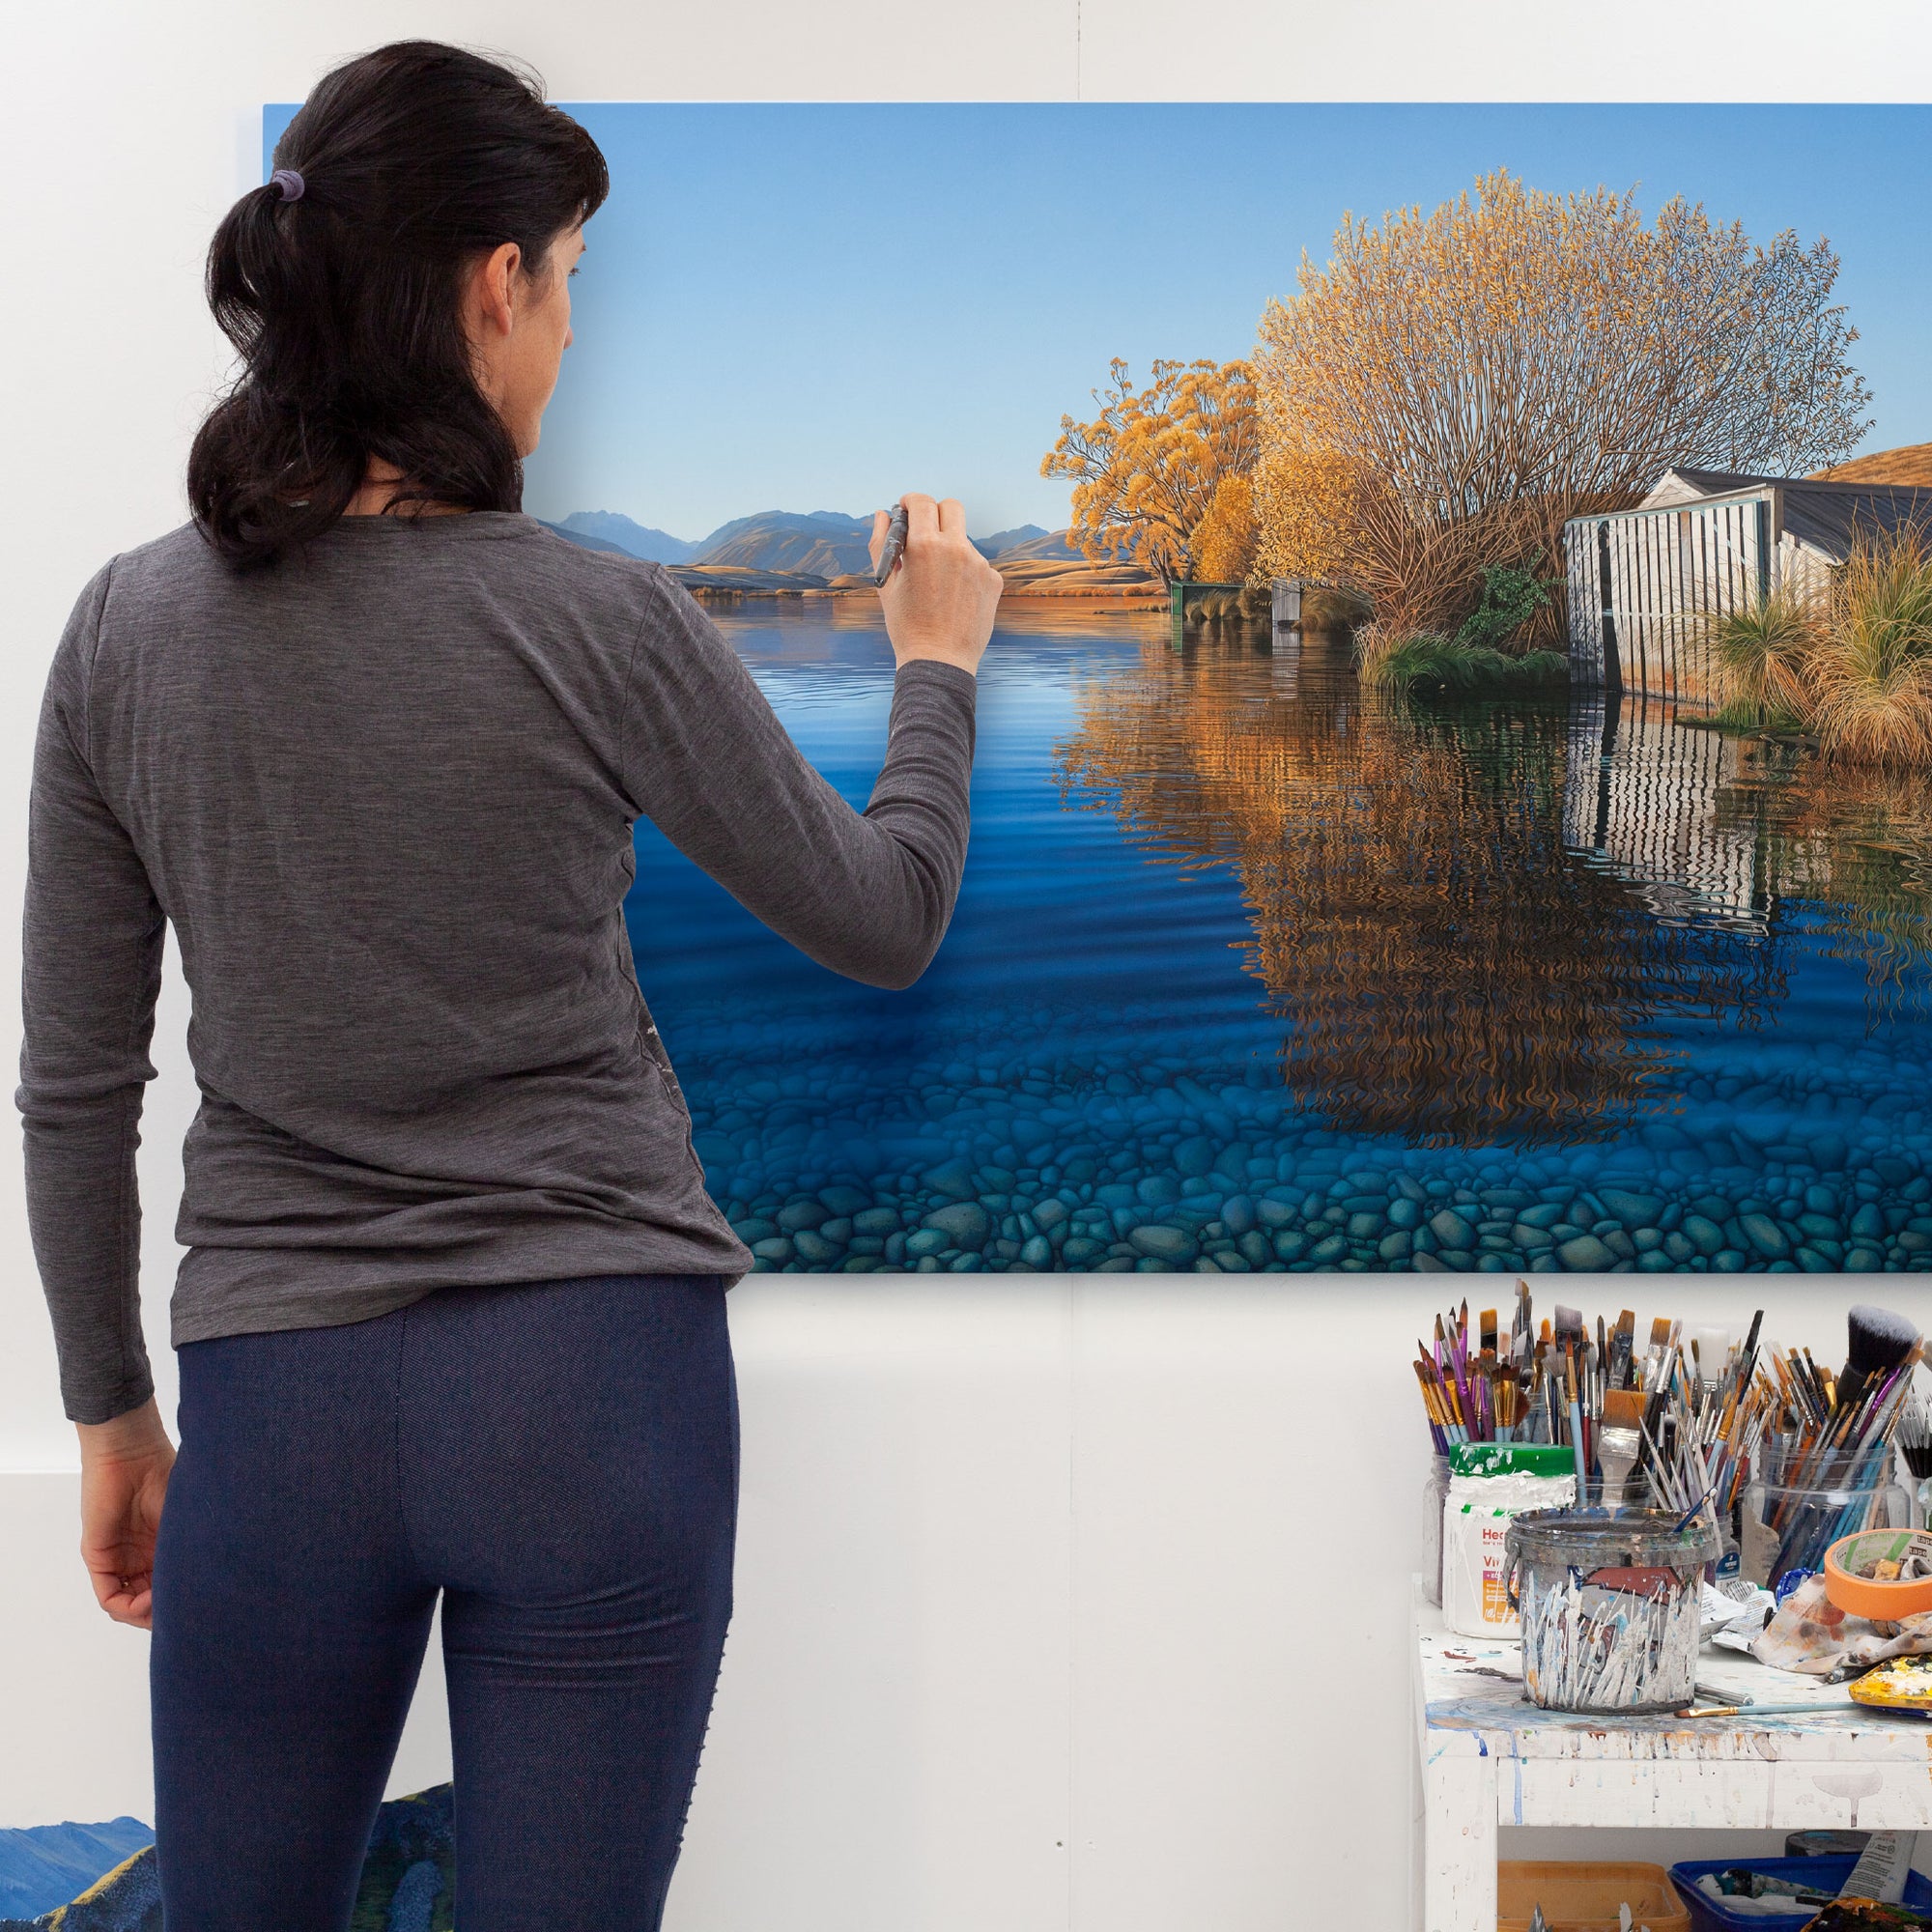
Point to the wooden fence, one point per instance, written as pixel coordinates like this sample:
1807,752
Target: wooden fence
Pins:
1646,585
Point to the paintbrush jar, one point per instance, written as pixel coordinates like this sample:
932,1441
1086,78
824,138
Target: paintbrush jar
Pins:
1784,1530
1489,1485
1609,1608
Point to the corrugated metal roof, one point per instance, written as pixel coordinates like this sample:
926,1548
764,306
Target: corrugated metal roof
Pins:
1687,486
1828,516
1824,517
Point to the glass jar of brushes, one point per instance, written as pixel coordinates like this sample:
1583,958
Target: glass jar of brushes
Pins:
1790,1517
1915,1451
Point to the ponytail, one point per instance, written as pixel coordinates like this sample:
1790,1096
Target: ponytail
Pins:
342,298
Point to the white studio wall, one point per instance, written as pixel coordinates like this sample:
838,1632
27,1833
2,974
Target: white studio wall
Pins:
1059,1605
1064,1601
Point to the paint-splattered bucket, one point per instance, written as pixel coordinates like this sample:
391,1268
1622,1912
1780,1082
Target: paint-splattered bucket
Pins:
1609,1608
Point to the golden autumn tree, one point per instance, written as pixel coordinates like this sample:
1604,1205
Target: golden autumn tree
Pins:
1223,543
1309,509
1478,374
1146,469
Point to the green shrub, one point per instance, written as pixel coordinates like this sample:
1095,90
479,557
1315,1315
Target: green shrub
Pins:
1509,598
1422,664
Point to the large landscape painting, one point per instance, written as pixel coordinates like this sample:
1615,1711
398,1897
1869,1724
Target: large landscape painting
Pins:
1329,906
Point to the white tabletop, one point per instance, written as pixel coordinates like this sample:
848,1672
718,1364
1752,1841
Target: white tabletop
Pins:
1472,1703
1488,1757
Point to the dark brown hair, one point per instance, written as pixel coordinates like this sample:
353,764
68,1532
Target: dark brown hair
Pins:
344,302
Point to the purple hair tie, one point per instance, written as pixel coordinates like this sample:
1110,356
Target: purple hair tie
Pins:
289,182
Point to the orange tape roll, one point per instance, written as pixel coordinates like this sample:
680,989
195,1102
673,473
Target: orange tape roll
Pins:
1850,1584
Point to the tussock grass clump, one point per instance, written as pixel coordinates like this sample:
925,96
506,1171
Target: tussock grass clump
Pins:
1870,676
1763,653
1217,607
1853,664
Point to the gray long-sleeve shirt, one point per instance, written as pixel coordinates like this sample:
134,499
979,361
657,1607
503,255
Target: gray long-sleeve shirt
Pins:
385,795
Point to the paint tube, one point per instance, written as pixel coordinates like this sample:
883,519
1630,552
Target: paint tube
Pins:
1883,1867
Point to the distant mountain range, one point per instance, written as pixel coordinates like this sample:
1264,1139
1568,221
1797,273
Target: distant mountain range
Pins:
584,540
1031,544
45,1866
817,543
606,529
1002,543
408,1872
825,544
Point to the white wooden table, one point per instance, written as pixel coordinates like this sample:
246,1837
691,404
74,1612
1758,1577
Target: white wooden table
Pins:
1489,1758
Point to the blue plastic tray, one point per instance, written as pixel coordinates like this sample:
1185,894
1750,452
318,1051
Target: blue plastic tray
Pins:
1708,1915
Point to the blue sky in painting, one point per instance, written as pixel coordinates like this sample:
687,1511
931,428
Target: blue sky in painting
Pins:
819,306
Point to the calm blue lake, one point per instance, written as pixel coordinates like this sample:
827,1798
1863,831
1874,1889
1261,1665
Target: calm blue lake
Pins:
1254,970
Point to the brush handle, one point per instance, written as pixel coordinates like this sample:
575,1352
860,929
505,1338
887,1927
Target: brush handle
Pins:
1763,1710
894,544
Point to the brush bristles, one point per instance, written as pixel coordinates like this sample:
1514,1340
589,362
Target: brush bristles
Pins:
1623,1409
1915,1439
1879,1339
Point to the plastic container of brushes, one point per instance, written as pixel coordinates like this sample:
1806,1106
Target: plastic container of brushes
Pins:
1434,1494
1817,1874
1784,1530
1609,1608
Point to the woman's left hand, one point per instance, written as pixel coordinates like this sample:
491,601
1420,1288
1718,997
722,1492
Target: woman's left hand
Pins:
124,1478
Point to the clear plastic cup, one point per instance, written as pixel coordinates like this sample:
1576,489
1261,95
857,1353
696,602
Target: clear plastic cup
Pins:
1785,1529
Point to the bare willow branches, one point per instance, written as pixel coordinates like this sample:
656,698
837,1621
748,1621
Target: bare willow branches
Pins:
1516,358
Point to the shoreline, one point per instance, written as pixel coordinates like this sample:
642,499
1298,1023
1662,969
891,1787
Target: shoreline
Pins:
1093,600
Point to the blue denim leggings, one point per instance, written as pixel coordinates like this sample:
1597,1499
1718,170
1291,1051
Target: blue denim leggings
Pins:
559,1459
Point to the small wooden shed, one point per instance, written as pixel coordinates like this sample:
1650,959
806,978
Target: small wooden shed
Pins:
1643,584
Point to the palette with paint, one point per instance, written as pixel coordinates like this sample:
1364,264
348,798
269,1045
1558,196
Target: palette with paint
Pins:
1905,1684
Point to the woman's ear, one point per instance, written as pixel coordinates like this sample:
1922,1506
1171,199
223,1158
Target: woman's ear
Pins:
490,290
487,315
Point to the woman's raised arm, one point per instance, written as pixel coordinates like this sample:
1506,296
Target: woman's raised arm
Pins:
868,894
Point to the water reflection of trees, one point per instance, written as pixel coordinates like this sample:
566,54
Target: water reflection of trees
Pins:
1448,970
